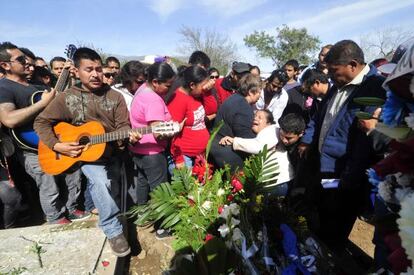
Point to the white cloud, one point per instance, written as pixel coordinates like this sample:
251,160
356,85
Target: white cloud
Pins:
331,24
221,8
349,16
227,8
165,8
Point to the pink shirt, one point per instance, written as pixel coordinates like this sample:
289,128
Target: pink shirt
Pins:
148,106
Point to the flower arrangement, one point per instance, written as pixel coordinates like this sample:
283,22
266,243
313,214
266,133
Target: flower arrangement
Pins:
224,222
393,177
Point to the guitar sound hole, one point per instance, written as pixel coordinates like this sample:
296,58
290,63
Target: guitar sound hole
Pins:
84,140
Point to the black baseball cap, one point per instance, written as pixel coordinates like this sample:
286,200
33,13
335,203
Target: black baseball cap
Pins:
240,67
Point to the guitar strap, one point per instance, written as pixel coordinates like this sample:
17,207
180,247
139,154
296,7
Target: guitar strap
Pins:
6,150
5,165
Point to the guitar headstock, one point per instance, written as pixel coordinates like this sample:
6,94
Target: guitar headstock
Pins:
166,128
70,51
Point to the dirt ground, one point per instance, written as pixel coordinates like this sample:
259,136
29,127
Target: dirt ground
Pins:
156,255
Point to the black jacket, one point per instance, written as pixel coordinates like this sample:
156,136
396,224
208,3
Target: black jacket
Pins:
237,115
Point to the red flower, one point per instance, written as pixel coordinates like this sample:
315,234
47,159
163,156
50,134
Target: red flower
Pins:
105,263
220,209
191,202
208,238
237,185
230,197
401,160
200,167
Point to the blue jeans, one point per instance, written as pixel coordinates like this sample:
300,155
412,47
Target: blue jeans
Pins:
100,178
89,206
188,161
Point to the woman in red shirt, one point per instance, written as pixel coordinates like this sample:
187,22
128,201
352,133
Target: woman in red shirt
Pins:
186,104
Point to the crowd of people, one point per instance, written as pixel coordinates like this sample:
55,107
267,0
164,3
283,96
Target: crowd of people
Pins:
304,113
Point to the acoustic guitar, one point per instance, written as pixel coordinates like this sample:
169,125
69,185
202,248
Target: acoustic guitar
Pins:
92,135
26,136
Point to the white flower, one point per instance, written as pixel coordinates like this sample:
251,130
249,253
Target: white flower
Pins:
406,225
224,230
385,190
410,271
235,209
404,179
234,222
410,120
402,193
207,205
237,235
220,192
226,212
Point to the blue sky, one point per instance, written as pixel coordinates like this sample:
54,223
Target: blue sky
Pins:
141,27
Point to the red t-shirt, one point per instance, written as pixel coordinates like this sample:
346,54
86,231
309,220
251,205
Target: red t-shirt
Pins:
193,139
210,103
222,93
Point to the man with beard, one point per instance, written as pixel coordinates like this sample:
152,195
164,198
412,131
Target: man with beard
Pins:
30,61
274,97
228,85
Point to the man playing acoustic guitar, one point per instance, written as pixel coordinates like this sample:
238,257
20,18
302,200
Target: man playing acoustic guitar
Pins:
87,101
16,110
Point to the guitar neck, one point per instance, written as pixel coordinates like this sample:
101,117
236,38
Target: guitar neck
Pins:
61,82
118,135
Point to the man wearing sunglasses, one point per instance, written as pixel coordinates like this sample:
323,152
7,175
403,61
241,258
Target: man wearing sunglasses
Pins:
30,62
108,75
16,111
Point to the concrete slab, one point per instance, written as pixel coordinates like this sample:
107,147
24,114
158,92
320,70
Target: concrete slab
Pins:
77,248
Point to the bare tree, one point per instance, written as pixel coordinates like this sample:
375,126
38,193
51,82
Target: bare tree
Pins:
383,42
218,46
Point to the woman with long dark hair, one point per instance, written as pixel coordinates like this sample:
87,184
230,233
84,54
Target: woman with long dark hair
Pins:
186,104
148,109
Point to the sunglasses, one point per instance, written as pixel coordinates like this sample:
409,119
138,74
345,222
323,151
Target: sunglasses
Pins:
109,75
21,59
214,76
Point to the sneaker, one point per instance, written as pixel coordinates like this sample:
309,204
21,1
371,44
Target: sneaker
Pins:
61,221
119,245
162,234
78,215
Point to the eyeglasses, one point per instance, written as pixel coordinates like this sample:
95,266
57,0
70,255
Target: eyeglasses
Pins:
109,75
21,59
214,76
